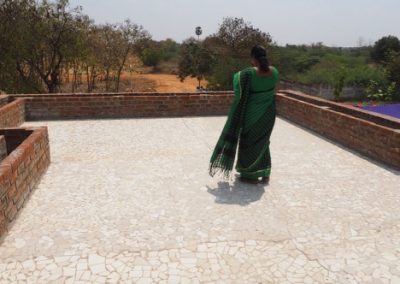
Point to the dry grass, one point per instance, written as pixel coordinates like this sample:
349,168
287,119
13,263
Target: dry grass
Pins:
169,83
144,79
133,84
143,83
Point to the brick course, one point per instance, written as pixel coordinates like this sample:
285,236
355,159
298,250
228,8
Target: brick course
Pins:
12,114
3,148
342,108
21,170
375,136
4,99
79,106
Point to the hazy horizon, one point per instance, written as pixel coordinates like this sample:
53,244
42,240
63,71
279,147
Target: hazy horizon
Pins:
333,22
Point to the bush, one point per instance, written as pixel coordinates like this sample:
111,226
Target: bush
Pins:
221,78
339,83
392,67
327,73
194,61
381,92
151,56
384,47
320,65
396,96
361,76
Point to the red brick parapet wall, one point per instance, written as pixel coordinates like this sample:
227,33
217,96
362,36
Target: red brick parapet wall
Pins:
21,170
4,99
373,135
124,105
376,136
12,114
3,148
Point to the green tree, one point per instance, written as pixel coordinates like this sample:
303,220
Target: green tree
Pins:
195,60
152,53
76,64
41,42
381,92
44,37
304,63
109,47
393,67
235,38
91,61
340,77
393,73
221,77
152,56
384,47
231,45
132,35
169,48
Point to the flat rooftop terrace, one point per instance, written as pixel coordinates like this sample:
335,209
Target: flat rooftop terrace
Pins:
130,200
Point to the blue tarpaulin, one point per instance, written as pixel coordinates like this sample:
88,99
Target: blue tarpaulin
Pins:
391,109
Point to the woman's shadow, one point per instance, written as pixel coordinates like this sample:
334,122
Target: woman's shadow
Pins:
239,193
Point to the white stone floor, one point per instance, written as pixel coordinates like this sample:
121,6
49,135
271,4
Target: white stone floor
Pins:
131,201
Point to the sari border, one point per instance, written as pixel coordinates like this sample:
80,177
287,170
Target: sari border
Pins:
256,161
260,173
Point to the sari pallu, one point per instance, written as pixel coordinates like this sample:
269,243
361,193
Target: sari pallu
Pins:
248,127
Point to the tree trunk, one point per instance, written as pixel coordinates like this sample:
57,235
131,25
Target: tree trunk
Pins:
93,78
53,83
87,78
121,67
74,78
67,67
107,79
90,78
118,80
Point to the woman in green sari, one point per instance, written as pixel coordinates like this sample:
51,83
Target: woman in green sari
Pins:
250,123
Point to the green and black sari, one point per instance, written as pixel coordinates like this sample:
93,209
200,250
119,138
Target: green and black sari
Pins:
248,127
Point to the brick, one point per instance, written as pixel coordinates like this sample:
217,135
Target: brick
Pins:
12,114
18,175
11,211
369,135
20,201
3,223
3,203
352,127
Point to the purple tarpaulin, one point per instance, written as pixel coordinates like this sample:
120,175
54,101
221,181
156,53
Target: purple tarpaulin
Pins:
392,109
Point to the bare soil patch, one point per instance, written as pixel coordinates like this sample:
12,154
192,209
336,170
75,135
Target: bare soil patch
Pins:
143,83
168,82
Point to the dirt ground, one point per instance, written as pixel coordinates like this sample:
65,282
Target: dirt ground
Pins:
144,83
168,82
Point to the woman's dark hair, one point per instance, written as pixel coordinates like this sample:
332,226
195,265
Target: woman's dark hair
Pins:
259,53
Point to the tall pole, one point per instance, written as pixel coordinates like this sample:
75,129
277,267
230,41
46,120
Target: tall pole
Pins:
198,32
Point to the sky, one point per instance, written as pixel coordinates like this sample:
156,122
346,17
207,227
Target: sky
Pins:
333,22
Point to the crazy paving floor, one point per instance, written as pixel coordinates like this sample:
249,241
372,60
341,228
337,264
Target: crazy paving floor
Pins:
131,201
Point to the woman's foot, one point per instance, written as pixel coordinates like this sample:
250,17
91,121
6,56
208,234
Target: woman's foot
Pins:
265,180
